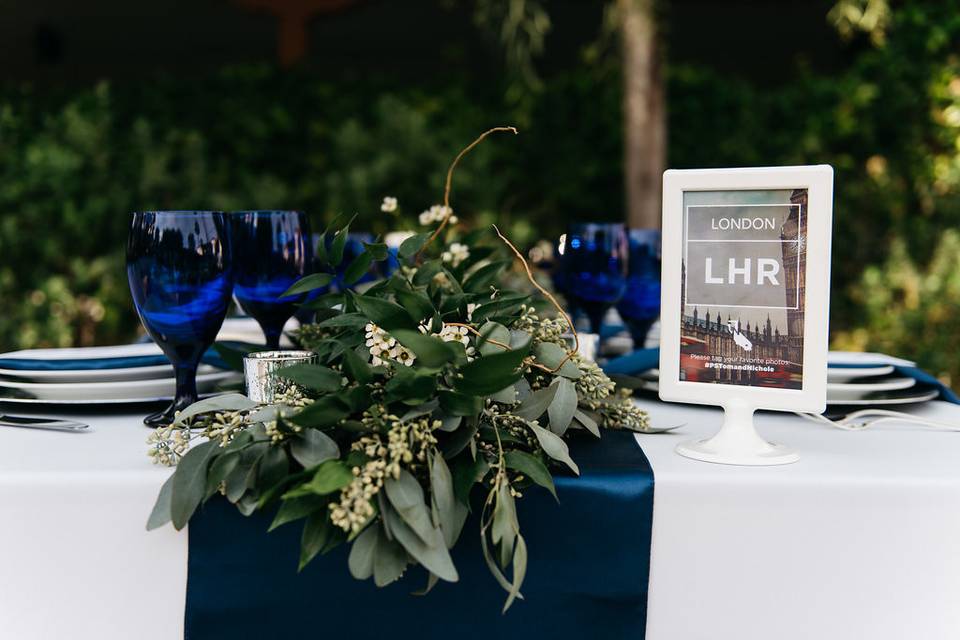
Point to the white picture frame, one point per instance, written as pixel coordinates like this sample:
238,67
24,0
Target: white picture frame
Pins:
738,442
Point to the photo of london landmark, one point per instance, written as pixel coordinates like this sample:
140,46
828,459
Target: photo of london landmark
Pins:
755,346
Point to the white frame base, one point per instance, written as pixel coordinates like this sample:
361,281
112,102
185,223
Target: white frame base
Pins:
737,442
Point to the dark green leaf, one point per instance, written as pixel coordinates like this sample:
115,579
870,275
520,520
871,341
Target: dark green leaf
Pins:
481,279
387,315
232,353
337,246
313,447
221,467
312,376
377,250
357,268
352,320
411,387
190,482
330,476
430,351
318,533
492,373
417,305
459,439
356,367
460,404
467,472
532,467
324,412
308,283
272,468
161,509
411,245
297,508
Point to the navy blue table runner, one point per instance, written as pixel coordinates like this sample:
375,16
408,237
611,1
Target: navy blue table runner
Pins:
589,559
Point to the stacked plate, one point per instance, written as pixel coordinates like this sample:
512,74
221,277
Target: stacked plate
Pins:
858,379
97,375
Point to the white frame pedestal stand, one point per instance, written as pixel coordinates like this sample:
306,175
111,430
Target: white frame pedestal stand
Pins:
738,442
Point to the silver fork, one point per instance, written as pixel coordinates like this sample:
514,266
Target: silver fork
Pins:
860,420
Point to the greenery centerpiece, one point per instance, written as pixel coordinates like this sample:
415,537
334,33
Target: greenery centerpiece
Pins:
428,384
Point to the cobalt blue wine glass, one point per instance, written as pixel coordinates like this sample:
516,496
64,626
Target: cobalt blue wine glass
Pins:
304,313
594,267
181,277
273,250
640,305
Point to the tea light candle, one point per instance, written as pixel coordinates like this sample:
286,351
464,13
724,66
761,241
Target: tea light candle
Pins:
260,368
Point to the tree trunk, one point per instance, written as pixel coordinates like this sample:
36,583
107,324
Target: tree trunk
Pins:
644,113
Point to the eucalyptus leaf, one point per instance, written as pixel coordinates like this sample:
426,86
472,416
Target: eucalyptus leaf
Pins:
505,523
160,515
322,413
308,283
490,333
416,304
460,404
225,402
312,376
451,514
336,247
362,553
535,404
431,553
554,446
551,355
190,482
356,367
351,320
389,560
519,572
406,496
588,423
563,407
313,447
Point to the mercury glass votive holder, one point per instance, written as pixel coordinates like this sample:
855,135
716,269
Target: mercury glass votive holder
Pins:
259,372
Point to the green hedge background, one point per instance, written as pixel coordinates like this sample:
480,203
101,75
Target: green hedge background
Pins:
73,164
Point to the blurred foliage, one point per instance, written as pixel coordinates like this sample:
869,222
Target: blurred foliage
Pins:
73,165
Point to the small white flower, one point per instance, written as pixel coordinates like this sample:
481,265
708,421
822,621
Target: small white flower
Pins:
436,213
471,307
384,347
456,254
389,205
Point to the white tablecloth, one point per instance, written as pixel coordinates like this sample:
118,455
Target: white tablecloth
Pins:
860,539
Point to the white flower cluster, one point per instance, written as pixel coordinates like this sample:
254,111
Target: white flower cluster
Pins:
168,444
389,205
437,213
384,347
450,333
456,254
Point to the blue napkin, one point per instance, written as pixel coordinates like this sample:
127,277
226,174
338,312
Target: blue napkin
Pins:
211,357
633,364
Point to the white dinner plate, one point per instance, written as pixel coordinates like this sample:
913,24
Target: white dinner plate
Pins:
101,392
907,396
100,375
861,388
848,374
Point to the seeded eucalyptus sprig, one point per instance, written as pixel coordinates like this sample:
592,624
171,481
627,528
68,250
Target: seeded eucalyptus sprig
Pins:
429,384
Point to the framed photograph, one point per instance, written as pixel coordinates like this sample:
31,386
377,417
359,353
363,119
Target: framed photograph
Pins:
746,291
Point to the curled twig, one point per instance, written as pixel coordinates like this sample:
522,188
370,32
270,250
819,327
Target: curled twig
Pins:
548,296
449,183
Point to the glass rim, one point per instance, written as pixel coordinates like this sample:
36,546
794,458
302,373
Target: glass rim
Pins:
263,211
176,212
